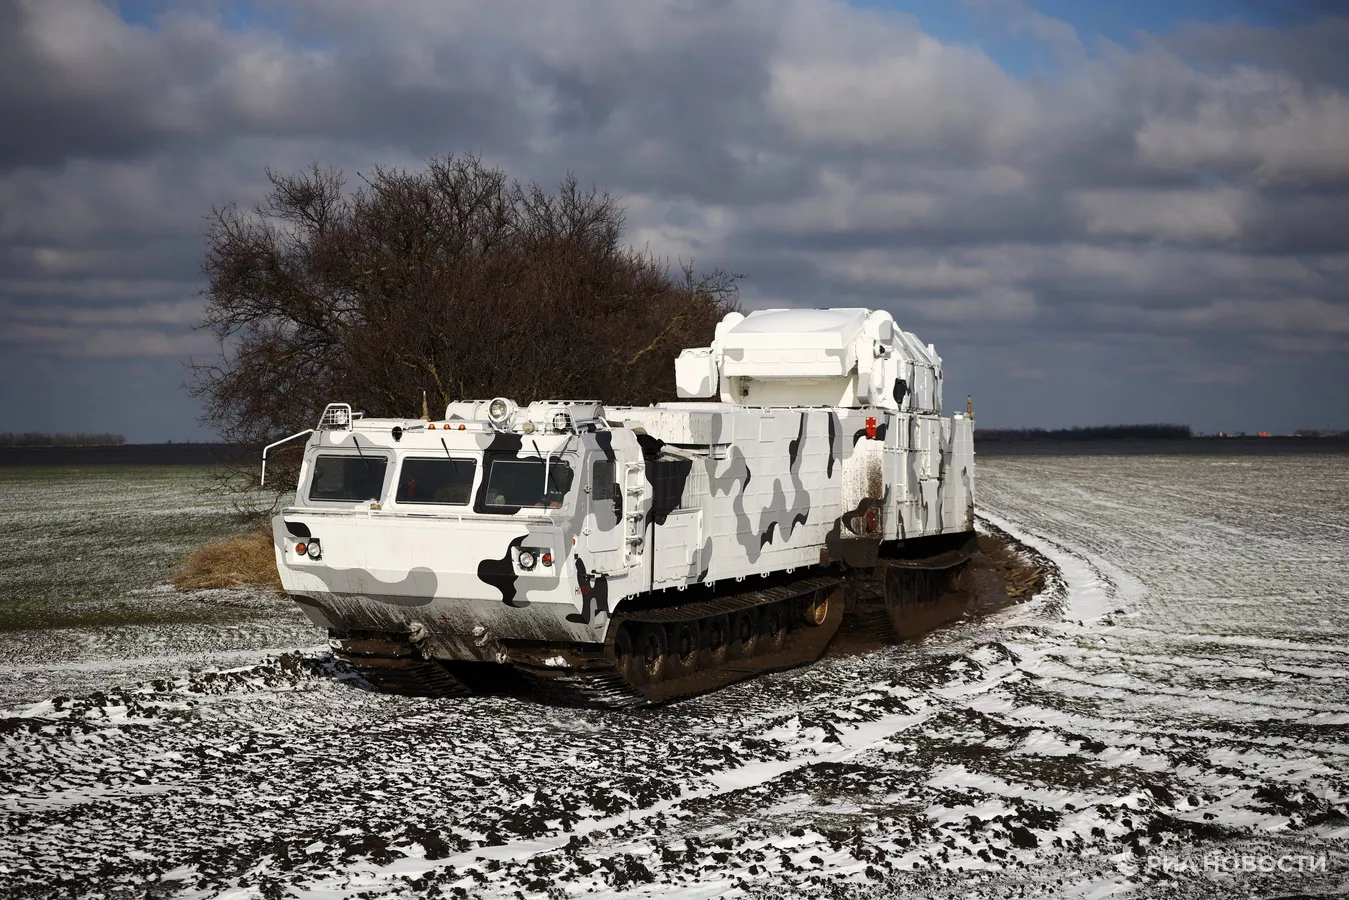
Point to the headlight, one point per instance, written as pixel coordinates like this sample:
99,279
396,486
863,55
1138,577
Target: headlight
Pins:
527,559
314,551
499,410
561,422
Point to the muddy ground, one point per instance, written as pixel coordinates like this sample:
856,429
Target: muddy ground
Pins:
1166,717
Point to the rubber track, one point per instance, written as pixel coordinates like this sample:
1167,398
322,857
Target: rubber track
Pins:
395,667
876,611
596,683
947,560
700,609
607,690
871,620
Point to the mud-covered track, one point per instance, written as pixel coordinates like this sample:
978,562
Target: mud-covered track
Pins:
394,665
782,627
667,653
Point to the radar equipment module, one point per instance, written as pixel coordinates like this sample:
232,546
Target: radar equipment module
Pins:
621,556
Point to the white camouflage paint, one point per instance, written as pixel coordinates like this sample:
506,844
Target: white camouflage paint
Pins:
807,434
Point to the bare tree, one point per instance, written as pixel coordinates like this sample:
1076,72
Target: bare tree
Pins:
452,280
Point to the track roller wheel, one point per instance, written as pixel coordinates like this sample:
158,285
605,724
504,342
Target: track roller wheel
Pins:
716,640
652,649
816,611
745,632
772,628
685,642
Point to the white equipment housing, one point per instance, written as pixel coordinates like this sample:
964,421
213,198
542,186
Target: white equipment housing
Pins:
813,357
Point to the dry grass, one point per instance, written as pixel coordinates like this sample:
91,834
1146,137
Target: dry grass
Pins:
1022,576
245,560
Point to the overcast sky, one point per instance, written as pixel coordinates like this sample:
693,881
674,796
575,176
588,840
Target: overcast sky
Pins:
1100,212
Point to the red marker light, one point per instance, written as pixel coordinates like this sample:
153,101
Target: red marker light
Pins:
547,559
300,549
871,428
461,427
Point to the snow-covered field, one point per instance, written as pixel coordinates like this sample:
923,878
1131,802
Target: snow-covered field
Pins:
1169,719
84,598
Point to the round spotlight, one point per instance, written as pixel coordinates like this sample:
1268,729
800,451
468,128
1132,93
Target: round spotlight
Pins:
561,422
499,410
527,559
314,551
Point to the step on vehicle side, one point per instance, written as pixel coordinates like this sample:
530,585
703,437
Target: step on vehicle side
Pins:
632,555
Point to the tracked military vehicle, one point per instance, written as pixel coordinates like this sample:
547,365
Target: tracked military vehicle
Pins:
632,555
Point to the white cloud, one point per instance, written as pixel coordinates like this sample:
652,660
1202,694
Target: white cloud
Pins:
1182,214
915,272
891,88
1309,315
835,154
1267,124
182,312
79,341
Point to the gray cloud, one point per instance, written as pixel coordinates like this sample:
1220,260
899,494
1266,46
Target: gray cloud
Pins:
1159,225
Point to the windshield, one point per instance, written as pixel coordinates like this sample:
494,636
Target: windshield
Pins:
445,481
515,483
347,478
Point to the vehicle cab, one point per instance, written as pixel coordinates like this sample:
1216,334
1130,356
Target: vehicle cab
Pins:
468,520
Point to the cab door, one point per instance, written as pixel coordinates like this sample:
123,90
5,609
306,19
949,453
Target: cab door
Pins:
604,521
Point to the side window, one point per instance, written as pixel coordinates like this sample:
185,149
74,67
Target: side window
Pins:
516,483
441,481
604,484
347,478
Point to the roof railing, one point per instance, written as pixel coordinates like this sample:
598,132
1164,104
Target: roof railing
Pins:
336,417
